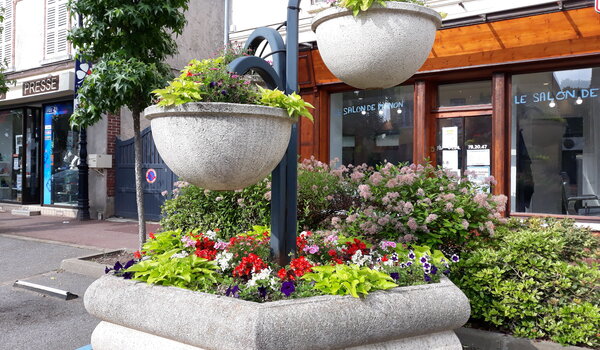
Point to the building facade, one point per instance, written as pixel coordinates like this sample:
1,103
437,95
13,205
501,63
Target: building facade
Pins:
38,149
510,89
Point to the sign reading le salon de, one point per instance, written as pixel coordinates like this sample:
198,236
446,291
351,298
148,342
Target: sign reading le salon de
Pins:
39,86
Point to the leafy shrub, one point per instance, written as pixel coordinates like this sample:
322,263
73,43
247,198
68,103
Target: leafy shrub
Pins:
192,208
418,203
528,280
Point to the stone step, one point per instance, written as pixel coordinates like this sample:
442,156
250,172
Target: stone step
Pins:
25,212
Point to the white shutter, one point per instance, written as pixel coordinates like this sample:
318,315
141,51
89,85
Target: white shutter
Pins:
6,36
57,25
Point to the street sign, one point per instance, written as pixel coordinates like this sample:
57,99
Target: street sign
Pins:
151,176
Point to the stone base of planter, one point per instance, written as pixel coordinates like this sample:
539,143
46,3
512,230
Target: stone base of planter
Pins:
138,315
109,336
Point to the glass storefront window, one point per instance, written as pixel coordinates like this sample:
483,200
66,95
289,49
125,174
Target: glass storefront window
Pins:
465,94
555,162
61,155
372,126
11,155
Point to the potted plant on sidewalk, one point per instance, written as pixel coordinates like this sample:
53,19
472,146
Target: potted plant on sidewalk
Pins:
375,43
217,130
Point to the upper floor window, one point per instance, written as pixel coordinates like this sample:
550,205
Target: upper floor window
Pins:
57,25
6,36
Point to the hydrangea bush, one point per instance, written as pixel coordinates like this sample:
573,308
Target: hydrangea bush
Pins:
241,266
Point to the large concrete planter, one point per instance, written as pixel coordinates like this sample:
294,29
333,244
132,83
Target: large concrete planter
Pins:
140,316
220,146
379,48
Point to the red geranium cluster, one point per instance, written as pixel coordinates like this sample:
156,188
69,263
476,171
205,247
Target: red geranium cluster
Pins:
205,248
251,263
298,267
334,256
301,240
352,248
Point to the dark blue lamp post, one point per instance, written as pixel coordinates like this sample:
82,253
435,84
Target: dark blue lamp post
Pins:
283,75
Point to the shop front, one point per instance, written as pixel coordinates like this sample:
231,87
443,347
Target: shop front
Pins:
38,148
512,95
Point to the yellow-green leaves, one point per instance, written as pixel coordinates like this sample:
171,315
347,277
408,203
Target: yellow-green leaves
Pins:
357,6
178,92
293,103
348,279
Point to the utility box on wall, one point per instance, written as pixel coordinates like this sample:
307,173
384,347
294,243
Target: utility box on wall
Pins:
100,161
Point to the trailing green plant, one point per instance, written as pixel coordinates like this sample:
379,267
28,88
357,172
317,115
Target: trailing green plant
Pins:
209,80
529,281
348,280
172,268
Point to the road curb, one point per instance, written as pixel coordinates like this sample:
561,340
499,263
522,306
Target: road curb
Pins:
81,265
484,340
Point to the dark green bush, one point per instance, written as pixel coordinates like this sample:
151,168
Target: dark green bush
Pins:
529,280
230,211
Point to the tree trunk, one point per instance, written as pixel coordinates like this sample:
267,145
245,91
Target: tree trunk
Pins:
139,189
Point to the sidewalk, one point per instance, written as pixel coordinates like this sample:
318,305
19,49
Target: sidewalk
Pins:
100,234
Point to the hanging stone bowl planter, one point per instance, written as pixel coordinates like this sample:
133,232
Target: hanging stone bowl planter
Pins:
220,146
381,47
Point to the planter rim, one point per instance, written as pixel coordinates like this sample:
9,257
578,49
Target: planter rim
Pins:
207,109
391,6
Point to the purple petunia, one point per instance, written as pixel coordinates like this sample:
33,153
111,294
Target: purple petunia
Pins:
455,258
426,265
427,278
233,291
212,84
423,260
408,263
395,275
117,266
288,288
434,269
411,255
262,292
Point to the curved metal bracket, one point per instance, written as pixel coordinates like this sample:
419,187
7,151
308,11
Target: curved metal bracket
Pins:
275,41
243,65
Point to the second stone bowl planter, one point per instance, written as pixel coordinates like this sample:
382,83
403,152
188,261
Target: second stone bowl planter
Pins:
136,315
381,47
220,146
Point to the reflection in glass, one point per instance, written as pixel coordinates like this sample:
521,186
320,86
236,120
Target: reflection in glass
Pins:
555,142
11,155
372,126
465,94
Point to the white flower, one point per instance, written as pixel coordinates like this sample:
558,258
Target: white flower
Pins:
210,234
183,254
223,258
359,259
263,275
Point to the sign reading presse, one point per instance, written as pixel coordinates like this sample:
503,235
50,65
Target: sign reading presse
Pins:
39,86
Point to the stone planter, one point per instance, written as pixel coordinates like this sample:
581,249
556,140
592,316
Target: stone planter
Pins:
140,316
220,146
379,48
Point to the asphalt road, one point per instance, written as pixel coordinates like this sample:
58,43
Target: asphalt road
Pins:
29,320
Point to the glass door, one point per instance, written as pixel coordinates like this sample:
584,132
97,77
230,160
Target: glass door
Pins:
464,146
11,155
31,148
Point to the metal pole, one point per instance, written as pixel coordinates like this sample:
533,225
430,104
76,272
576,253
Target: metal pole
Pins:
83,199
226,22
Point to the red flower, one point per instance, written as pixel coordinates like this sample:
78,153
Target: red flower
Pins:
209,254
152,236
286,275
249,264
189,74
356,246
384,258
332,253
137,254
300,266
301,243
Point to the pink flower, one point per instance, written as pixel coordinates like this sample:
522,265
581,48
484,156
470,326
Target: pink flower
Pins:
386,244
412,224
460,211
430,218
465,224
311,249
376,178
364,191
449,206
351,218
268,195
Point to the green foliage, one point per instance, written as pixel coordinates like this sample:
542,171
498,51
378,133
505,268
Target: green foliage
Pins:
344,279
116,82
128,43
528,281
294,104
168,269
356,6
210,81
195,208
